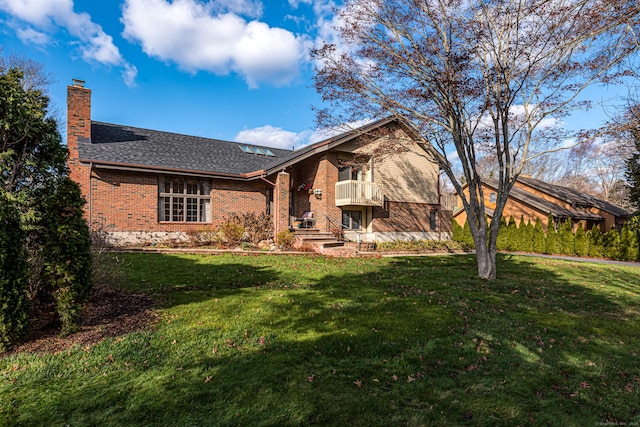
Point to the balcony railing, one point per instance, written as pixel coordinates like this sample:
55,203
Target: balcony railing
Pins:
358,193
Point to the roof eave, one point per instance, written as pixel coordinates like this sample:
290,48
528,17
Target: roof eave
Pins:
100,164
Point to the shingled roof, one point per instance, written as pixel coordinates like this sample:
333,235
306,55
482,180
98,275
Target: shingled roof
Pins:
127,146
574,197
119,146
544,205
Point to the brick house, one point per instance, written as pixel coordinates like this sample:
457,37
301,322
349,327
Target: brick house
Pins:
145,186
534,199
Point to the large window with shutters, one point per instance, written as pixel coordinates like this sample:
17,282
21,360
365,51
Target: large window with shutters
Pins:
184,200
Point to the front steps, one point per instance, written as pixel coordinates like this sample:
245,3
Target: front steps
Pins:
321,242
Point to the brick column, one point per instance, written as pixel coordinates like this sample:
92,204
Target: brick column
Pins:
281,202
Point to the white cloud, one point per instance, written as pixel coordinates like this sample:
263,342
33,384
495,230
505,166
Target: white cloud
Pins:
241,7
276,137
196,37
29,35
129,74
36,19
295,3
271,136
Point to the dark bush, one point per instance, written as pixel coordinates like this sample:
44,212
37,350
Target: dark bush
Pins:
13,272
66,252
537,238
551,240
594,237
581,242
628,250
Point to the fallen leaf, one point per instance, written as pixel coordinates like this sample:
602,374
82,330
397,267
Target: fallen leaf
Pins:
358,383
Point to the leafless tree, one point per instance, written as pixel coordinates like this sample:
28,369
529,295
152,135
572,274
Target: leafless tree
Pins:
36,77
474,77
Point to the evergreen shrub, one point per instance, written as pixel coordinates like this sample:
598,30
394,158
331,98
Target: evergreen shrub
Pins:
13,275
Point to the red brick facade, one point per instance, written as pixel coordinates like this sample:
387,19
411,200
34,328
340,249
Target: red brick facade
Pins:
409,217
321,173
127,201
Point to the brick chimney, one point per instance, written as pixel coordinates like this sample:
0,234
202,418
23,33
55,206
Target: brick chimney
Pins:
78,129
78,118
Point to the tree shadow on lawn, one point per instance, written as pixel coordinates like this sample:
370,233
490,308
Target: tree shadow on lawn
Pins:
413,341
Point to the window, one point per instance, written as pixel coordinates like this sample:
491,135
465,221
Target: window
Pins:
433,220
352,220
352,172
492,198
184,200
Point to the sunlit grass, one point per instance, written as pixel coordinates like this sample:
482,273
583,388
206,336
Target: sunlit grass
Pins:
263,340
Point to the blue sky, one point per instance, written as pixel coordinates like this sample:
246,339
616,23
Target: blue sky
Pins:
228,69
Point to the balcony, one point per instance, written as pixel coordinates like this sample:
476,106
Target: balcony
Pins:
358,193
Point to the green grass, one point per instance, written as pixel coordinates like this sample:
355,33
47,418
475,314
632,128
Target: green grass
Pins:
287,341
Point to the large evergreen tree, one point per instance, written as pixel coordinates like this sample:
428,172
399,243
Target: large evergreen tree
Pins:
33,175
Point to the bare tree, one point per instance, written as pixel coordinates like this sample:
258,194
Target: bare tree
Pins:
474,77
36,77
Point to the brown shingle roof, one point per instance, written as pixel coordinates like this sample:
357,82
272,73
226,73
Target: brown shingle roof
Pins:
574,197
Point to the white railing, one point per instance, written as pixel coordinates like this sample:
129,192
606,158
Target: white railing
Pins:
358,193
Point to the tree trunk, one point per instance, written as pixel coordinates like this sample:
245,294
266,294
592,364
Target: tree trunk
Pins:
486,260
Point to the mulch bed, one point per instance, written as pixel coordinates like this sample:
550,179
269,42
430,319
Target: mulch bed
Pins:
108,313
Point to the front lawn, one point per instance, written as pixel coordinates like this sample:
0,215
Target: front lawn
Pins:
309,340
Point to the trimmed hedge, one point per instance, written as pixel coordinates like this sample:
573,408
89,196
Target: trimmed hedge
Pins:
624,245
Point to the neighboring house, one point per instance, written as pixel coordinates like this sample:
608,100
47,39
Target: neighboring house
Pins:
145,186
533,199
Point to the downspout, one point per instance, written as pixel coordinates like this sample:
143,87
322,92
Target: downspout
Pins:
90,196
267,181
273,202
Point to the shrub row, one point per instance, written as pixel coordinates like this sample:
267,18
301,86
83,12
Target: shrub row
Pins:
420,245
623,245
238,228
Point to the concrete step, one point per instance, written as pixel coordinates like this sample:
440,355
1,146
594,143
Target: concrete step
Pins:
320,242
341,251
334,244
305,231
